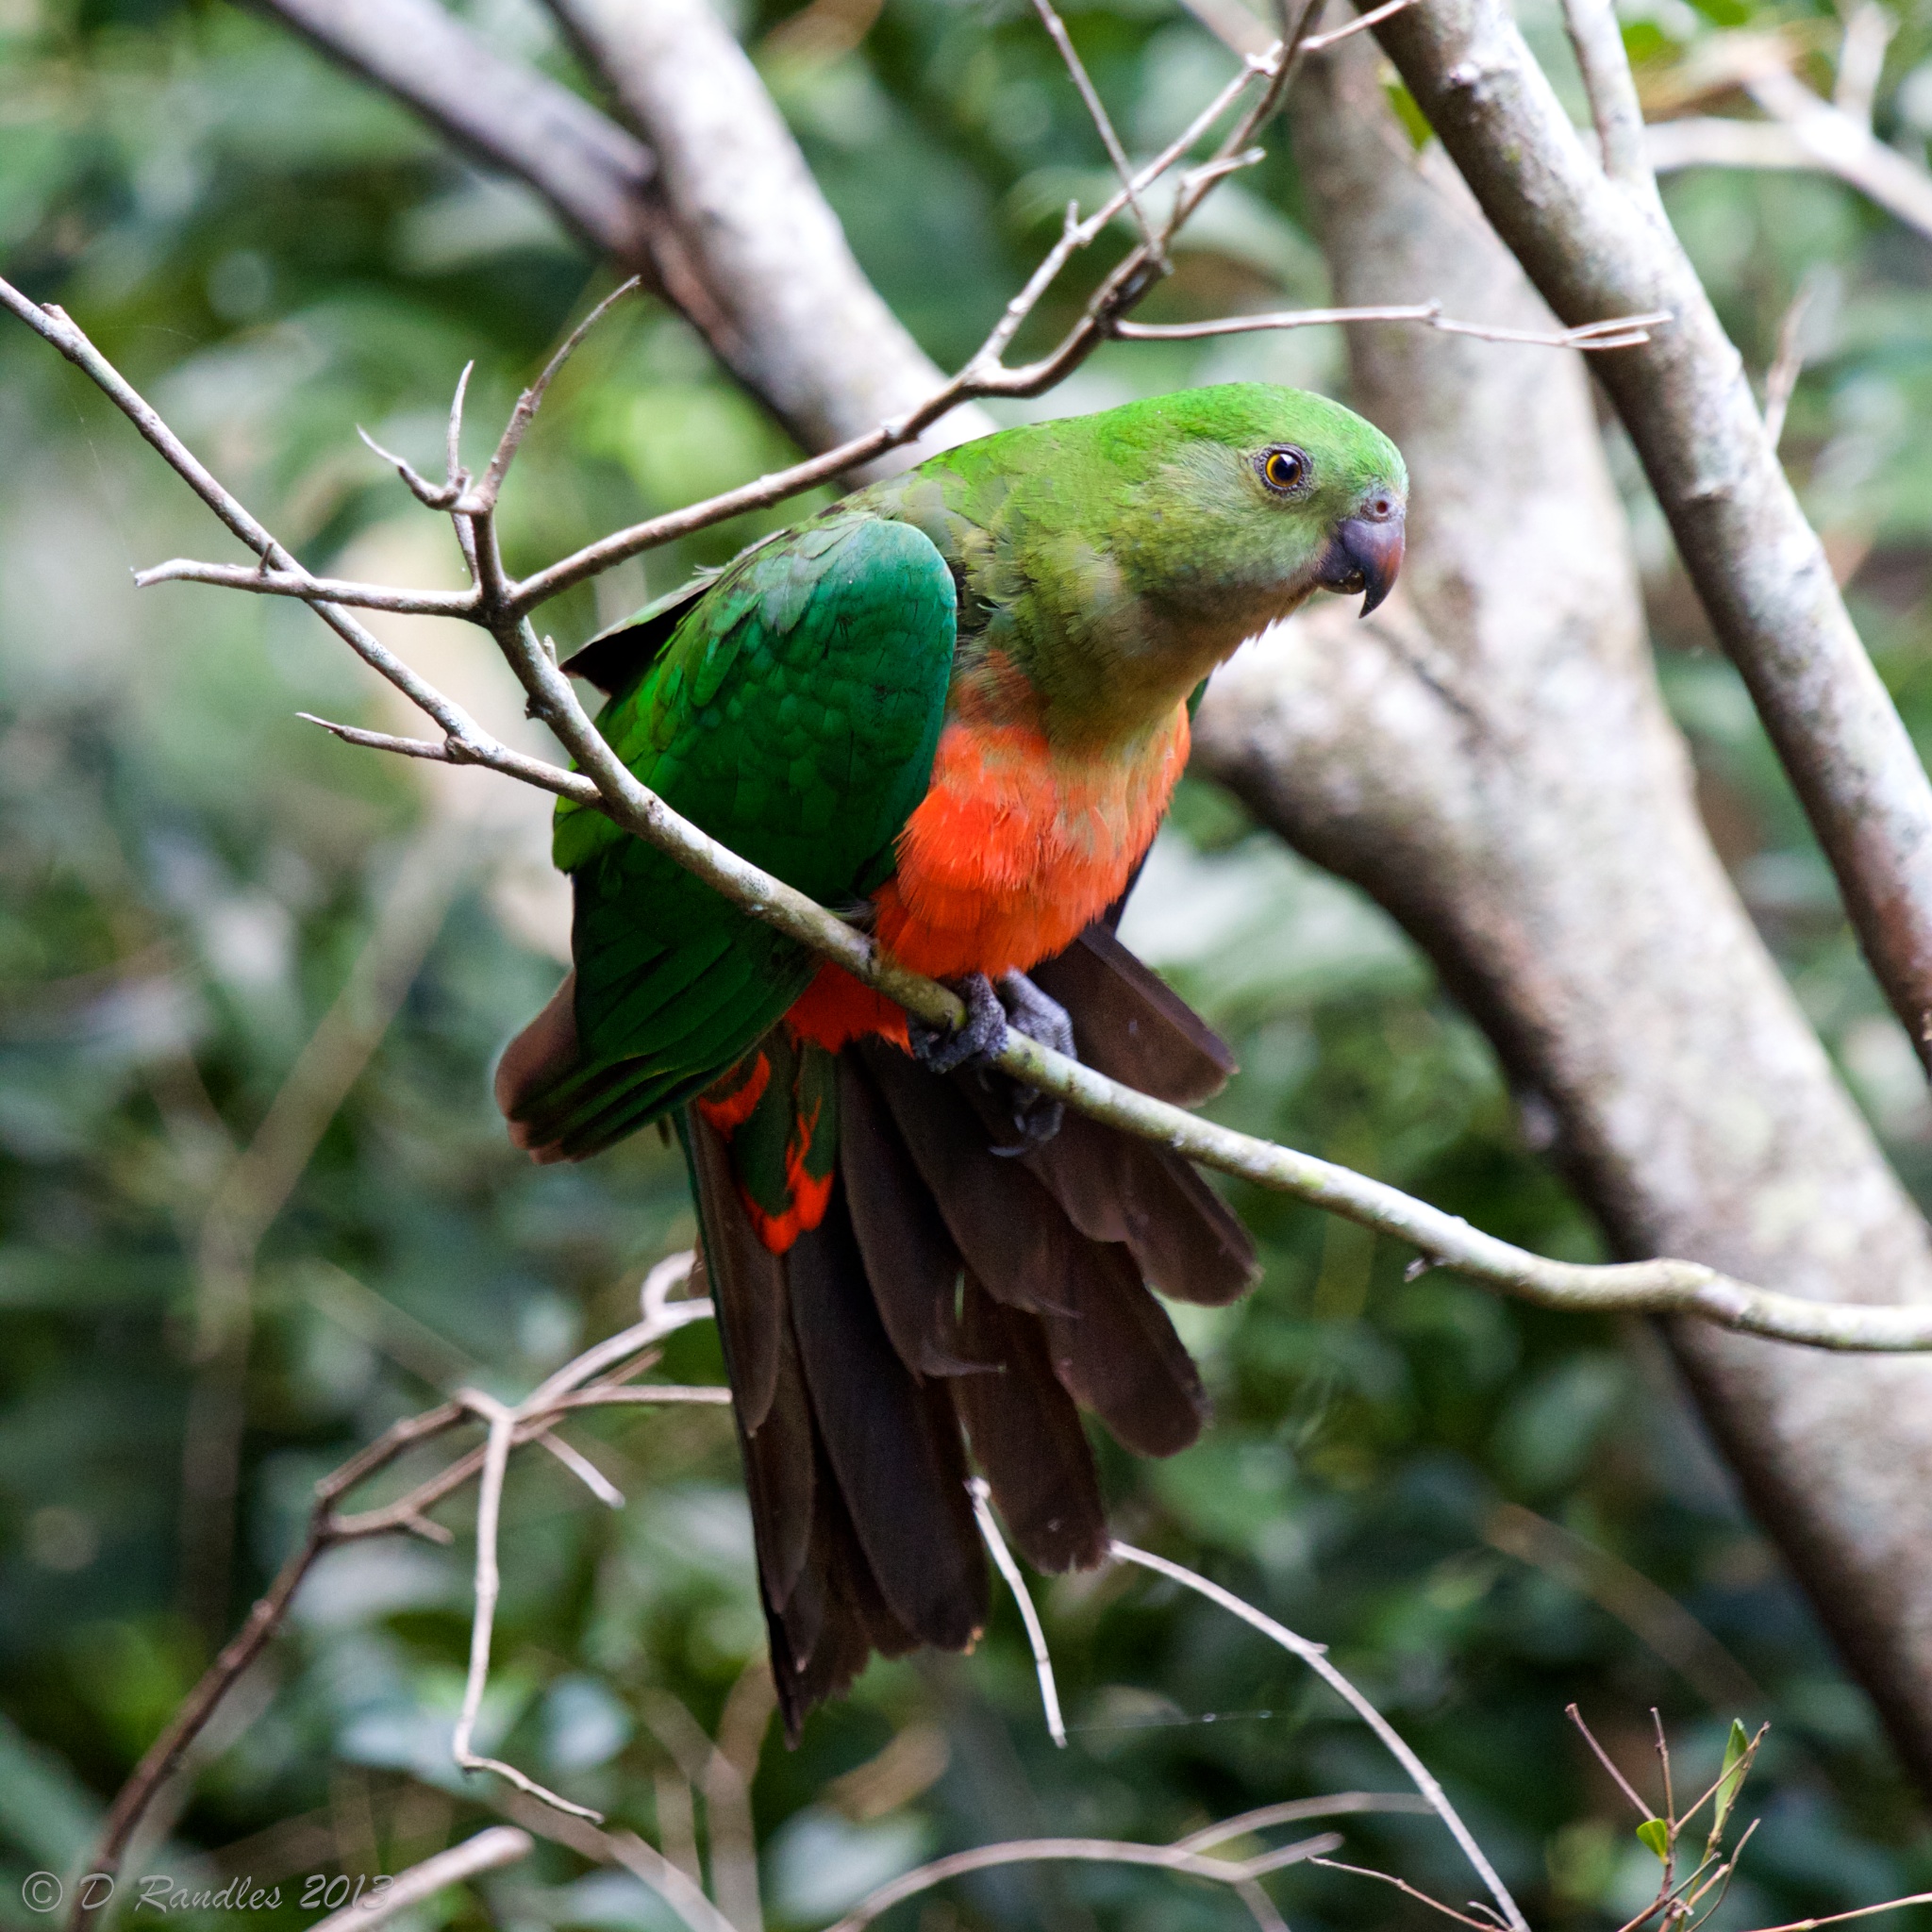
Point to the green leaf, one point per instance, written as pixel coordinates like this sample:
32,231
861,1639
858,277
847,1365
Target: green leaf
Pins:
1654,1833
1731,1780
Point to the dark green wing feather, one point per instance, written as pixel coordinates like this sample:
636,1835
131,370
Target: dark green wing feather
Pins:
793,713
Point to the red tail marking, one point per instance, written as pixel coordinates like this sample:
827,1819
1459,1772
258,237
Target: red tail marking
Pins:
730,1111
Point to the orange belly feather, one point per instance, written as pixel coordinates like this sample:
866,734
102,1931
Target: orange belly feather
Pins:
1015,849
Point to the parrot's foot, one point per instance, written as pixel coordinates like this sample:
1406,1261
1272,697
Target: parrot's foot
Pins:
943,1049
1021,1005
1036,1119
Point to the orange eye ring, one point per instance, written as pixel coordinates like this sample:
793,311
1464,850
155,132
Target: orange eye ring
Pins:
1283,471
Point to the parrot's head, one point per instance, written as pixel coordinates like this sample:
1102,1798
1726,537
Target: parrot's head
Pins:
1161,534
1255,497
1116,558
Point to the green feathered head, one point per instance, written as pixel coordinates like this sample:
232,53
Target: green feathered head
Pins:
1118,558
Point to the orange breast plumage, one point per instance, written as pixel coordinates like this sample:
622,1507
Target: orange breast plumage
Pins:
1017,847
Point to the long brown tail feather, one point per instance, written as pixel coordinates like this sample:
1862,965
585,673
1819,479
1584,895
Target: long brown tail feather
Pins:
1118,1355
1130,1025
1006,1226
894,1444
909,1257
1026,1436
749,1279
1112,1187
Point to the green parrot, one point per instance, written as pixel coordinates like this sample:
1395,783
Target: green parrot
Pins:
952,706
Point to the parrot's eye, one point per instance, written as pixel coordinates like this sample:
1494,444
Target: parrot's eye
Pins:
1283,469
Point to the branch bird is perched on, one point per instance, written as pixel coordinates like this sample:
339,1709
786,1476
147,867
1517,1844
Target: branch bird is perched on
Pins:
954,705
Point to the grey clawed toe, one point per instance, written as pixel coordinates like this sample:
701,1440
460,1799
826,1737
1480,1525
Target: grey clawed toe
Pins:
942,1049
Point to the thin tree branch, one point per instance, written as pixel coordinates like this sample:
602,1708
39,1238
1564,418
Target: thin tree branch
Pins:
1084,1851
1297,1810
1620,332
1597,41
1435,1905
1316,1657
1603,1757
1035,1636
1096,111
528,404
489,1851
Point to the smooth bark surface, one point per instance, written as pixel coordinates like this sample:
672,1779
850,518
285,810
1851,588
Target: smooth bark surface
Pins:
809,333
1596,248
1492,760
592,172
713,206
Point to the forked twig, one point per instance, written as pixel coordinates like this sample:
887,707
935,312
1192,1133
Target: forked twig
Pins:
1603,1757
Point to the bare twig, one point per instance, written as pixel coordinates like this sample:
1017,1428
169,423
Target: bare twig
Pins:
1035,1636
1435,1905
1319,43
489,1851
1096,110
1603,1757
528,404
1084,1851
1297,1810
1316,1657
1618,332
677,1889
503,1422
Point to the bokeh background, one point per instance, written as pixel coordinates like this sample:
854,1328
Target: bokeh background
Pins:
1487,1511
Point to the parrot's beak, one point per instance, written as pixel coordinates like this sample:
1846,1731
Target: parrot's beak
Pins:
1365,553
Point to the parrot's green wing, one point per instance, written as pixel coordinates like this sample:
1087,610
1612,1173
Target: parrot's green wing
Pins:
793,714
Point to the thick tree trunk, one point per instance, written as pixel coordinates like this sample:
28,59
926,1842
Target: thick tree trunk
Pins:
1598,246
1492,760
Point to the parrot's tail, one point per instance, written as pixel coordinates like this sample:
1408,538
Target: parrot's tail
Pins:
934,1279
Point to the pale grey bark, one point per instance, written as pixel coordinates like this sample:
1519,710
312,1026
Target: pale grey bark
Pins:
1596,248
592,173
713,205
818,342
1491,758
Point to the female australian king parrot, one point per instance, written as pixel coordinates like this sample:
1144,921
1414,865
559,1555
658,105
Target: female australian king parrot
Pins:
952,706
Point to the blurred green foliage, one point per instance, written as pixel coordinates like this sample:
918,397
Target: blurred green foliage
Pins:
187,874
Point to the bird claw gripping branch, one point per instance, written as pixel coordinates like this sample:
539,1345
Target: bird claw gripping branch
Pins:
943,1049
